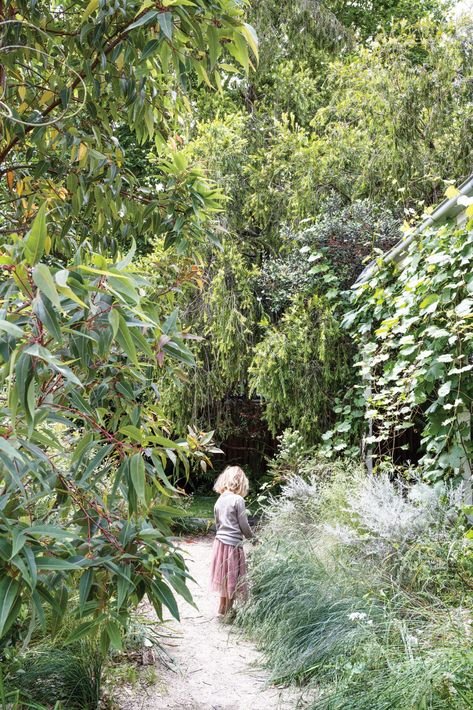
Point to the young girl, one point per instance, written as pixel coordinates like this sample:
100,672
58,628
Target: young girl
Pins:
228,558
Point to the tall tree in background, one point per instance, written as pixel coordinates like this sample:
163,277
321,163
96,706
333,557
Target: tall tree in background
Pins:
343,129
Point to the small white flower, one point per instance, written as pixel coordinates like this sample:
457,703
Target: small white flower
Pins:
357,616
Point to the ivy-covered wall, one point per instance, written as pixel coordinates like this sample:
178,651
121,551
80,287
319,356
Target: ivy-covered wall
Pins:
413,321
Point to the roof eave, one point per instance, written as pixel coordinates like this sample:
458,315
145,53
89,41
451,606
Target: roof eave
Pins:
446,210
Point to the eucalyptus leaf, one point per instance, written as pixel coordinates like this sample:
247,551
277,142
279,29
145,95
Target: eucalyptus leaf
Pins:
35,240
44,281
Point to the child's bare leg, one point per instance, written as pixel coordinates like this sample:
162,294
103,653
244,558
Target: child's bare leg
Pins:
223,606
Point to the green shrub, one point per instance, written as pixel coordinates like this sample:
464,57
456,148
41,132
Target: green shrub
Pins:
299,366
196,515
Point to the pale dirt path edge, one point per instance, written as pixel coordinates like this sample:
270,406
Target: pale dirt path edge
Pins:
215,669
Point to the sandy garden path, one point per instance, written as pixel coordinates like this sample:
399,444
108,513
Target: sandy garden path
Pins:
214,668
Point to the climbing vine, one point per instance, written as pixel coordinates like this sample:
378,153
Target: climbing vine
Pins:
413,321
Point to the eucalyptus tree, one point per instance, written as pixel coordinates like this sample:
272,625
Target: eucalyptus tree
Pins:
85,447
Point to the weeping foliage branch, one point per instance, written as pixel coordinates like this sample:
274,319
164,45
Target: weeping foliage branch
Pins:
298,366
224,308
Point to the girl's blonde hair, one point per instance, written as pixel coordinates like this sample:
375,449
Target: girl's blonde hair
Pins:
232,479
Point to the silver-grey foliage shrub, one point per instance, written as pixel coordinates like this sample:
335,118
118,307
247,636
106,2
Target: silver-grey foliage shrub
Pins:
385,515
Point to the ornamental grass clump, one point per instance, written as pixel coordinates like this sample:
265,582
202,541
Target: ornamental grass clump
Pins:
70,676
362,590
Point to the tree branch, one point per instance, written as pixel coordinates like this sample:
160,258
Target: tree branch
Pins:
119,36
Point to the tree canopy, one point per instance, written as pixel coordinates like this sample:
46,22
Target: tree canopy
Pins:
340,137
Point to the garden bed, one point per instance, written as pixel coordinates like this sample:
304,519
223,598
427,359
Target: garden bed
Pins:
361,589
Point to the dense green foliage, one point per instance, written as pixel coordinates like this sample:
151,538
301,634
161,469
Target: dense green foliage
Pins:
298,365
88,69
340,136
84,446
178,238
412,322
362,591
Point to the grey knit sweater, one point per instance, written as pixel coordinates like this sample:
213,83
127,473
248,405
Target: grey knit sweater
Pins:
231,521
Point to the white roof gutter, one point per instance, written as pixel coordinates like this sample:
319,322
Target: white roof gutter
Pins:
448,208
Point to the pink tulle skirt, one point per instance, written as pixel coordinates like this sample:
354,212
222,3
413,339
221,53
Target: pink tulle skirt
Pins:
228,572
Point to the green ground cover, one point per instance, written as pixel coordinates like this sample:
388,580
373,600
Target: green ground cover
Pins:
201,506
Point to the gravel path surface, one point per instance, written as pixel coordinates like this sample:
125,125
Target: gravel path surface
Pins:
214,668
